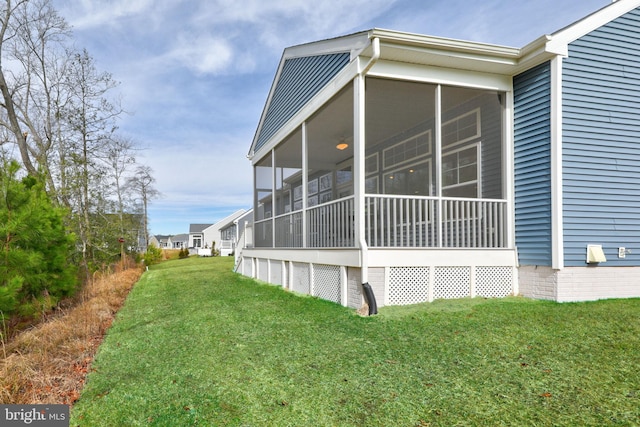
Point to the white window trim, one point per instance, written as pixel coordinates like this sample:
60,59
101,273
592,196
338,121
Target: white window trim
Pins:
402,168
404,141
370,172
478,180
457,118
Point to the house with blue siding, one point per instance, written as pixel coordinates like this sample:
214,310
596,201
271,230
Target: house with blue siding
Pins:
395,168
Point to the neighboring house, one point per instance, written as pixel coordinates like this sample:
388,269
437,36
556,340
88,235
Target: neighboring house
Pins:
159,241
179,241
197,235
232,233
153,241
204,235
440,168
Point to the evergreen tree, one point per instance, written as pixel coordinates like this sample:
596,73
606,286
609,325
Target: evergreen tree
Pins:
35,263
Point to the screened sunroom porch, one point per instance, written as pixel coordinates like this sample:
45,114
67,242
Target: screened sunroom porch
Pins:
389,164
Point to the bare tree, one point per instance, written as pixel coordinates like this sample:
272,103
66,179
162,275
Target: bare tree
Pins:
32,62
120,159
57,109
143,184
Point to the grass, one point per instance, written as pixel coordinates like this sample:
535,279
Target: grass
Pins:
196,344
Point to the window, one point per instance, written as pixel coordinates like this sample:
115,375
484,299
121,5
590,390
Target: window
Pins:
408,150
463,128
460,169
197,241
412,180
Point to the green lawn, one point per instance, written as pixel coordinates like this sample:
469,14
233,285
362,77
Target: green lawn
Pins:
196,344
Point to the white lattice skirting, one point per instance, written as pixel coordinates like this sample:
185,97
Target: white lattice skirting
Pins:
392,285
327,283
413,285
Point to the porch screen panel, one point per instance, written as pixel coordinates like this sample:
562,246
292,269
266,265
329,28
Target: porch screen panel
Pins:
399,132
399,163
472,140
330,173
263,202
288,191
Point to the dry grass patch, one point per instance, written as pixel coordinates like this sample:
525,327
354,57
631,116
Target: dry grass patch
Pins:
48,363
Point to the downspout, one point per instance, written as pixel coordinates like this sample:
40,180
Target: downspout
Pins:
364,249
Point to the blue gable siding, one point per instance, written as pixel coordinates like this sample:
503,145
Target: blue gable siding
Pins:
601,142
300,79
532,167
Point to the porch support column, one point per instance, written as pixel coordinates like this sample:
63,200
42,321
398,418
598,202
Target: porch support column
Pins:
273,197
305,180
438,156
358,171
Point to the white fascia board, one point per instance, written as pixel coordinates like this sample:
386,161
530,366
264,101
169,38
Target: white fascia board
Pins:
442,257
350,43
251,153
347,257
442,43
560,40
333,87
441,75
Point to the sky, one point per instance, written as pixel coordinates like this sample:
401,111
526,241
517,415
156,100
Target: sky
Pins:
195,74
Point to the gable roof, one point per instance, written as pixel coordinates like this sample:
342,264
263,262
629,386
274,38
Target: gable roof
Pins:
230,218
561,38
198,228
557,43
229,221
306,70
303,71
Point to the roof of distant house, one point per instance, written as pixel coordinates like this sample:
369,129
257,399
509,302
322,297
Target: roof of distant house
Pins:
198,228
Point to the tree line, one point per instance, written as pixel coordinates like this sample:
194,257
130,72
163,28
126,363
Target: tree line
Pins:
70,183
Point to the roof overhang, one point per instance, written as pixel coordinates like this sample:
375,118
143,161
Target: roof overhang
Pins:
445,53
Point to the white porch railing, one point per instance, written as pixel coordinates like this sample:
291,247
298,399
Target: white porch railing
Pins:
289,230
331,225
400,221
392,221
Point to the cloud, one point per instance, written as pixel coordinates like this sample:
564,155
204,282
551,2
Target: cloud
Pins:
89,14
202,53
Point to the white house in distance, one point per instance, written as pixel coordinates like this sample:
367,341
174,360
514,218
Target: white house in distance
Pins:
232,233
179,241
204,235
197,236
439,168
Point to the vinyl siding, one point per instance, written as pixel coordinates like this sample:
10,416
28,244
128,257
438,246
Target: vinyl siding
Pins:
532,163
601,142
300,79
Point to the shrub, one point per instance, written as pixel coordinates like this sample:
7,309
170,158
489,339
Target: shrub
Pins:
152,256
